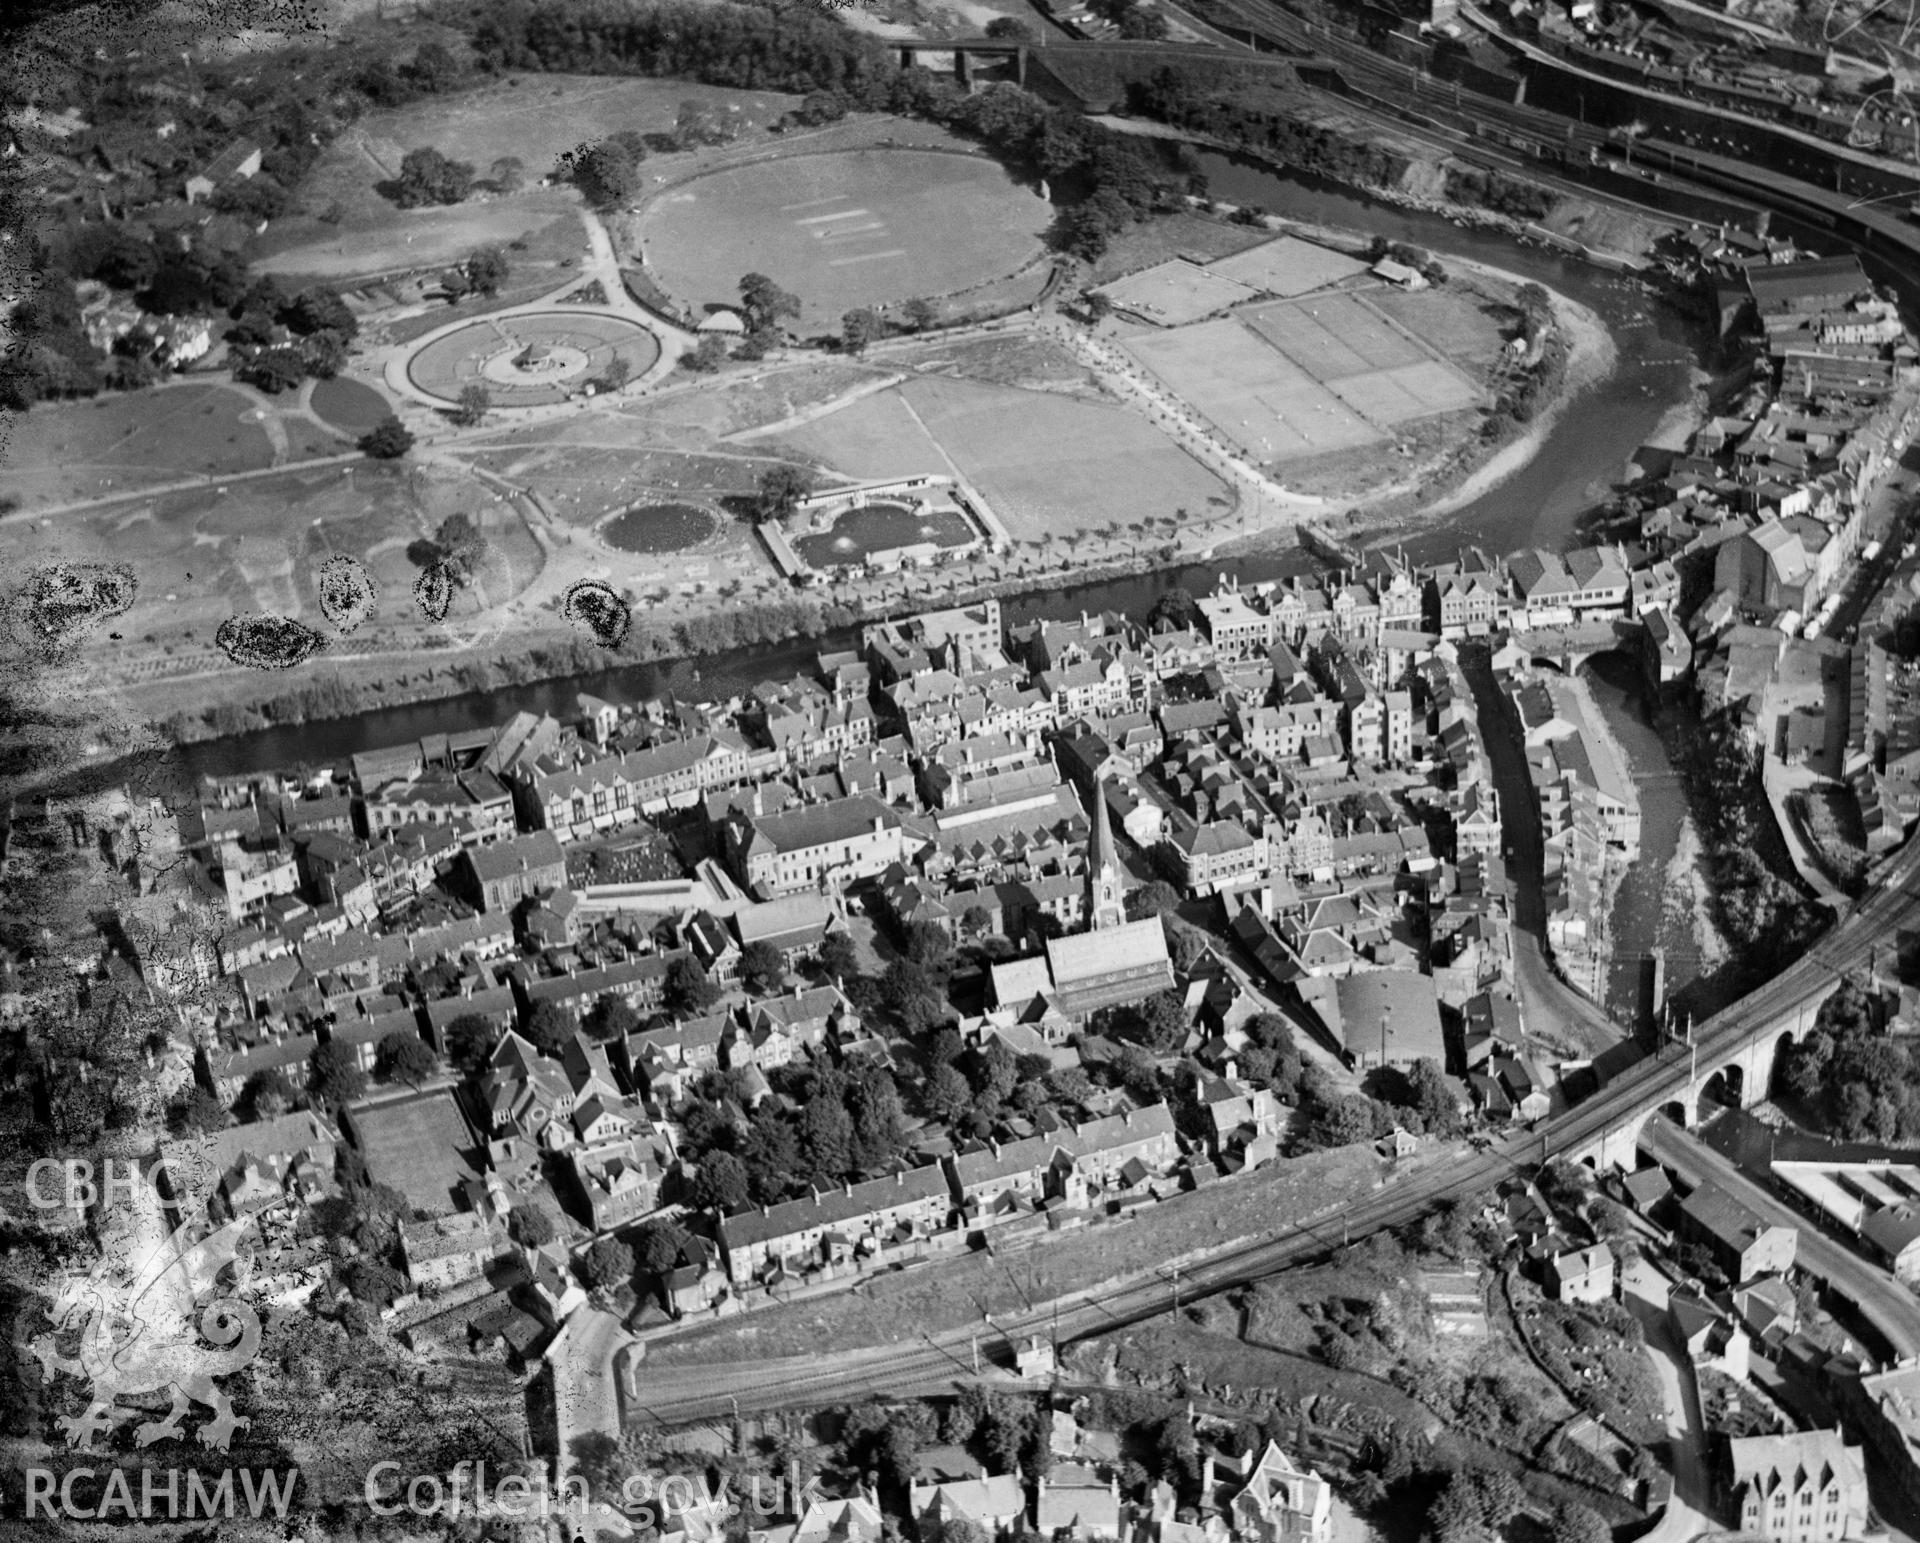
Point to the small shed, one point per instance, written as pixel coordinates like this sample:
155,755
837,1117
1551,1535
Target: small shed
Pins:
1398,273
725,322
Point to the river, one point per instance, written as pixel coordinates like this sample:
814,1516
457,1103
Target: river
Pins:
1585,454
1645,915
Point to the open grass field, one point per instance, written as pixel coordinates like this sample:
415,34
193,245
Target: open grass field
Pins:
1049,464
1170,294
1288,266
849,229
383,239
1253,395
64,451
421,1146
533,118
1176,233
487,351
1458,323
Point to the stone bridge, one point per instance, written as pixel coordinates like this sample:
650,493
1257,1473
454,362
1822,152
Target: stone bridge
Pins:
1567,647
965,51
1696,1077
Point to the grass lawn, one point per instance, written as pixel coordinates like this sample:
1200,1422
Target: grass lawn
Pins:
952,1292
847,229
72,450
588,471
383,239
421,1146
1459,320
1047,463
351,406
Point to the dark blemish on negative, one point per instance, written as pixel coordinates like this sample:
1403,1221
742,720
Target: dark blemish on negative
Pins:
268,642
347,594
433,591
596,607
61,600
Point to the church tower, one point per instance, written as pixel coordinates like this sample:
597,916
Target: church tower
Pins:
1106,879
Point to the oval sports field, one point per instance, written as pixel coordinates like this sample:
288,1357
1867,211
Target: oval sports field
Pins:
843,230
572,348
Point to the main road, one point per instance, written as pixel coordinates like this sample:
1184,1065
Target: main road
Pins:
677,1394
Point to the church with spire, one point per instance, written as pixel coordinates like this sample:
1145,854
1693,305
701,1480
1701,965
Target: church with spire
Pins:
1112,963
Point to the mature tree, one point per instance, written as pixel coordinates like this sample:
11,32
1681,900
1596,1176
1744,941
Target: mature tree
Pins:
488,269
771,1152
470,1040
920,313
697,124
323,353
508,174
929,947
194,1111
387,440
859,327
319,309
459,543
839,957
266,1094
597,1458
1572,1522
433,68
550,1026
976,921
1011,28
1176,609
947,1094
607,1265
612,1018
1432,1098
475,403
705,356
781,488
274,370
722,1184
765,303
403,1054
662,1242
1156,897
334,1074
606,173
763,968
1340,1120
688,990
1160,1023
826,1132
428,177
530,1226
821,107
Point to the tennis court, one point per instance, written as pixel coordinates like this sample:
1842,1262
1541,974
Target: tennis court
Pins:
1287,266
1255,396
1333,337
1412,391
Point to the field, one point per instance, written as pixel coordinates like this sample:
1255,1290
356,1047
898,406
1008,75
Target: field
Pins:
1465,332
849,229
73,450
1252,395
1291,379
419,1146
486,352
1048,464
533,118
1288,266
1173,293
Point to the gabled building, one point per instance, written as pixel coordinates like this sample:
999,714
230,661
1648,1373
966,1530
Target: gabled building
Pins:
1282,1502
1806,1487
